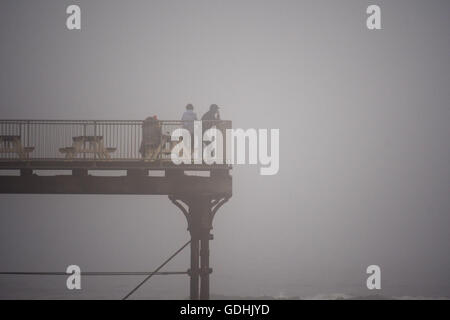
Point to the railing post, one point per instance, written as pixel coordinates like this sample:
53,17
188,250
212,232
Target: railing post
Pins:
95,138
28,133
84,140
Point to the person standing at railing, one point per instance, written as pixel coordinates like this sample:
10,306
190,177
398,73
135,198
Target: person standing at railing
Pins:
210,116
188,118
213,113
209,119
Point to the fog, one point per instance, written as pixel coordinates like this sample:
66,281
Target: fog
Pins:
364,142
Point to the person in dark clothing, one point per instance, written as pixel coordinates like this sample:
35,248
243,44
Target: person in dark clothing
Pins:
212,114
210,117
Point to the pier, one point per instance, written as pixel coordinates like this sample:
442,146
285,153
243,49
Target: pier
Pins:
81,147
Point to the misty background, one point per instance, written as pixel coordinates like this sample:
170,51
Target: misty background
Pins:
364,143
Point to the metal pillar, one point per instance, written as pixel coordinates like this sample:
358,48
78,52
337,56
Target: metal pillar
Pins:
199,212
194,220
194,270
205,270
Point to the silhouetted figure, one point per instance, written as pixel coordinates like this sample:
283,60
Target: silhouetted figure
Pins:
210,116
188,118
151,138
209,119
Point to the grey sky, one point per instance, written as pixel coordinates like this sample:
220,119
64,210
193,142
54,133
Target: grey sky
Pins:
364,127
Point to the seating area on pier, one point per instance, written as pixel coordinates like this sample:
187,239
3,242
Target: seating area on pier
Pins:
99,144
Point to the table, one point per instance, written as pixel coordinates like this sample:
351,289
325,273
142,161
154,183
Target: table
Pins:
88,145
13,144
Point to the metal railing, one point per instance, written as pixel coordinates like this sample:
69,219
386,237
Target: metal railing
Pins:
57,139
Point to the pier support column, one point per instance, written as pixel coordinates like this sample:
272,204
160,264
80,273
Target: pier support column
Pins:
205,270
194,270
199,212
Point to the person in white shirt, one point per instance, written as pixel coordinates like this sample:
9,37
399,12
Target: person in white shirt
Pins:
188,118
